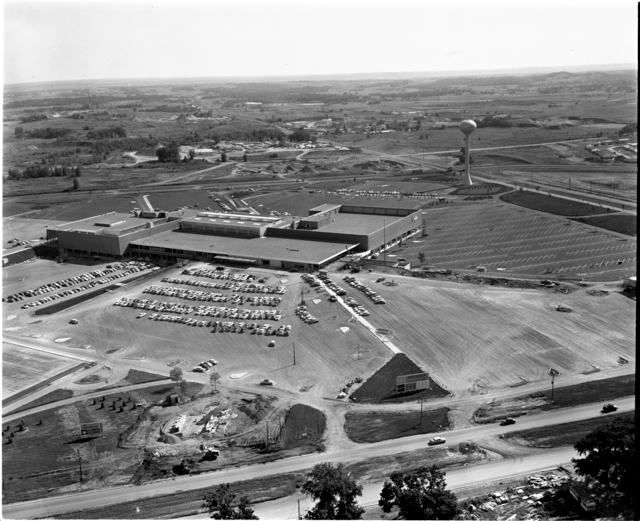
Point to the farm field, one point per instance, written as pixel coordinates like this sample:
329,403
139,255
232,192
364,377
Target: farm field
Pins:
521,241
471,338
22,367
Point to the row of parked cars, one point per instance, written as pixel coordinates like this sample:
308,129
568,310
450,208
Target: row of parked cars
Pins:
373,295
268,329
154,305
205,366
233,286
242,314
79,289
131,267
205,296
331,285
219,273
304,315
360,310
176,319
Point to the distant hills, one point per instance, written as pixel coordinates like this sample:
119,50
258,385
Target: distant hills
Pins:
70,84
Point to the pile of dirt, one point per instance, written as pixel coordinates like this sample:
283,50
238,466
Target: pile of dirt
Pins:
256,408
303,425
382,384
308,170
169,439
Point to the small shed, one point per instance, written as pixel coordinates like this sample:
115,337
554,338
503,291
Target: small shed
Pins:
172,399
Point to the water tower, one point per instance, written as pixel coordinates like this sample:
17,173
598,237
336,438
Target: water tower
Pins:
467,127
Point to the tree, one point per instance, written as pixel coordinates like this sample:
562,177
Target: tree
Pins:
220,504
334,493
76,184
223,157
244,157
192,154
421,257
419,494
176,375
19,131
78,171
214,380
608,462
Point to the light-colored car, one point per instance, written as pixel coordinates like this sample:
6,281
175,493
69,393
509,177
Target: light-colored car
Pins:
437,440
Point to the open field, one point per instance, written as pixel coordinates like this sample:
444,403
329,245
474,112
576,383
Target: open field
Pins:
626,224
564,434
472,338
551,204
568,396
372,426
22,367
42,456
497,235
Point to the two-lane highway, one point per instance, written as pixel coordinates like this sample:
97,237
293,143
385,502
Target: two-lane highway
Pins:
96,498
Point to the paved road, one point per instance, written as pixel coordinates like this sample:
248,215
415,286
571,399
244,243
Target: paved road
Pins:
287,507
61,504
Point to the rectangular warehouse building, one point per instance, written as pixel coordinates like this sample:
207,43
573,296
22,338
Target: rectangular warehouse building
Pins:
326,234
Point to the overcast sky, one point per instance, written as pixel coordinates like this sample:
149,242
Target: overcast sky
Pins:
58,40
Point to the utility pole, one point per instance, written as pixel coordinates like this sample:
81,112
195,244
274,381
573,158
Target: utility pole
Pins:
294,353
80,464
384,232
299,509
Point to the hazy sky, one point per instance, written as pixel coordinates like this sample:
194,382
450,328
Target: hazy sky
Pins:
58,40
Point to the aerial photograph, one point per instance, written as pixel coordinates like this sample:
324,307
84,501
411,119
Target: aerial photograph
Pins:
319,260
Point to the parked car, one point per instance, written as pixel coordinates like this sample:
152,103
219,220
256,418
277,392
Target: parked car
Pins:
272,343
507,421
437,440
609,408
73,321
267,382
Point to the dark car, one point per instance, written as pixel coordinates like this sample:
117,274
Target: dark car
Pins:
507,421
609,408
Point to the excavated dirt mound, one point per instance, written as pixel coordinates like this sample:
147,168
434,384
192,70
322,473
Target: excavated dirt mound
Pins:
382,384
303,425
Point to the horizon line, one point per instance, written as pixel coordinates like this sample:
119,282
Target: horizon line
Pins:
454,72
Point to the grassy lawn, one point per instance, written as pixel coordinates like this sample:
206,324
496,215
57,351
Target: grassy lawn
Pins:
626,224
550,204
563,434
569,396
140,377
54,396
378,426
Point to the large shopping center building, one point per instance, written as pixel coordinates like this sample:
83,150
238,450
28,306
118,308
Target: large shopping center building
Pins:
329,232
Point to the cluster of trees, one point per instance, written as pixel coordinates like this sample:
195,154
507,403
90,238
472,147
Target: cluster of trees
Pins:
302,135
33,117
43,133
84,100
256,134
36,171
107,133
418,494
169,153
631,128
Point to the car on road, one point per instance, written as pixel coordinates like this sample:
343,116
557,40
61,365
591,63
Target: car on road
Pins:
437,440
507,421
73,321
267,382
609,408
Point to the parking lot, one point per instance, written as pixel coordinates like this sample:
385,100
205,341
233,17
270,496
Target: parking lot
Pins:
504,238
